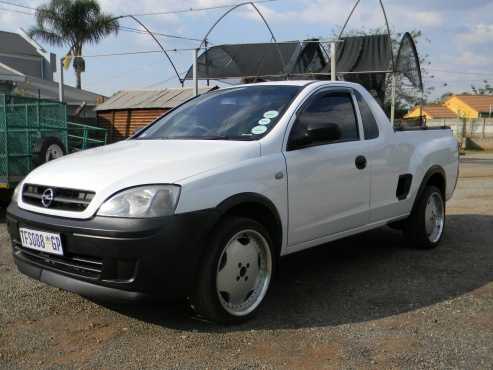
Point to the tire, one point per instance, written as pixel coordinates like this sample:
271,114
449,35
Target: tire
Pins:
425,226
240,249
49,148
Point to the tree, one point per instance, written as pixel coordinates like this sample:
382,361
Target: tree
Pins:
442,98
486,89
72,24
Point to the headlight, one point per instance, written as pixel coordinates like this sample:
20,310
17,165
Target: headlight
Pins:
16,193
142,201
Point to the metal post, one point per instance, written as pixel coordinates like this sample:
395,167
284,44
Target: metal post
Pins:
421,120
464,133
84,138
392,104
28,137
5,124
333,61
37,114
195,80
206,43
60,81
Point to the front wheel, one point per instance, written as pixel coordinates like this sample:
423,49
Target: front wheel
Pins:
236,272
424,227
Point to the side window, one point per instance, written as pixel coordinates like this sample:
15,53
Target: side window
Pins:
327,112
370,125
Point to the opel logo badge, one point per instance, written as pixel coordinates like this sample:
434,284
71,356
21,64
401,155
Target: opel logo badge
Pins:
47,197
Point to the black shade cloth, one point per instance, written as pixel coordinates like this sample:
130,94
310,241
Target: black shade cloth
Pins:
354,54
259,60
368,58
364,54
362,59
408,62
375,83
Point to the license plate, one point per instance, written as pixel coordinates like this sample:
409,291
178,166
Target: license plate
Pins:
41,241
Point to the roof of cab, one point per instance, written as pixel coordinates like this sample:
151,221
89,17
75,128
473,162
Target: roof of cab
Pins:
301,83
286,83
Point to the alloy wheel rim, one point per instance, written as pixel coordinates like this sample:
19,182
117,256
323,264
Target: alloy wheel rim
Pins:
434,217
53,152
244,272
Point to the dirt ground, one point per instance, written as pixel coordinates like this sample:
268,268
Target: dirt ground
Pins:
365,302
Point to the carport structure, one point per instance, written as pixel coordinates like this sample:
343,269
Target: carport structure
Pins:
368,60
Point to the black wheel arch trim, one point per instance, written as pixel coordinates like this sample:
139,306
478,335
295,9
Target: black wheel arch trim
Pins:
242,198
433,170
250,197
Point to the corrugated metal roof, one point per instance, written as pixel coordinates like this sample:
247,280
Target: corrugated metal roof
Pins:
148,99
45,89
12,43
49,90
10,74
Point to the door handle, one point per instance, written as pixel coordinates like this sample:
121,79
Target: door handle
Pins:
360,162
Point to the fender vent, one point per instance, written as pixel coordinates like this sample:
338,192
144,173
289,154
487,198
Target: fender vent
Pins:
404,186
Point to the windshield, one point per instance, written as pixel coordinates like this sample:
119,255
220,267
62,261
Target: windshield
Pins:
243,113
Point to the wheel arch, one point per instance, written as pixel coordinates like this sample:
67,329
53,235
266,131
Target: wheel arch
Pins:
434,176
257,207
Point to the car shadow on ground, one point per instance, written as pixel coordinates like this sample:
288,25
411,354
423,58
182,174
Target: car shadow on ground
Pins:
361,278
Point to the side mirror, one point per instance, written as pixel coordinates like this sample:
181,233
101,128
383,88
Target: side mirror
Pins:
312,128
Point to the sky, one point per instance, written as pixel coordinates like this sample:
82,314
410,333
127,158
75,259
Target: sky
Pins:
457,36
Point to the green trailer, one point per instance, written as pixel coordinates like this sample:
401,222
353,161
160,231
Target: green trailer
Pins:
34,131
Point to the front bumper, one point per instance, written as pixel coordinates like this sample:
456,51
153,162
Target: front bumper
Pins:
116,258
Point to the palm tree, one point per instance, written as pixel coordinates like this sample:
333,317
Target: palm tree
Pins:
72,24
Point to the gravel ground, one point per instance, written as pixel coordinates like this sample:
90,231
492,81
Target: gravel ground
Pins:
362,303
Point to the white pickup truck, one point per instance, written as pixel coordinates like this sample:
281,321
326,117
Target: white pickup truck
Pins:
203,202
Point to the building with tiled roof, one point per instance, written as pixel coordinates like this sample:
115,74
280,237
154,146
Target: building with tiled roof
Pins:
431,111
470,106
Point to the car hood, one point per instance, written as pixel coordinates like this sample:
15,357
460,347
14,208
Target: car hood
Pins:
108,169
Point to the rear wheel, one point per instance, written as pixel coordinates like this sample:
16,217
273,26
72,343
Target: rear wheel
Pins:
424,227
235,273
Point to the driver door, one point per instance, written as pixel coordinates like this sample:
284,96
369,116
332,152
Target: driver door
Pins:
328,180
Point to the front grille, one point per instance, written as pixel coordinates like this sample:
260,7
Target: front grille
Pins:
81,265
63,199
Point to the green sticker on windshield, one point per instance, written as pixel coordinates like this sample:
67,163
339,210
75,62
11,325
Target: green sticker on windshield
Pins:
257,130
271,114
264,121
